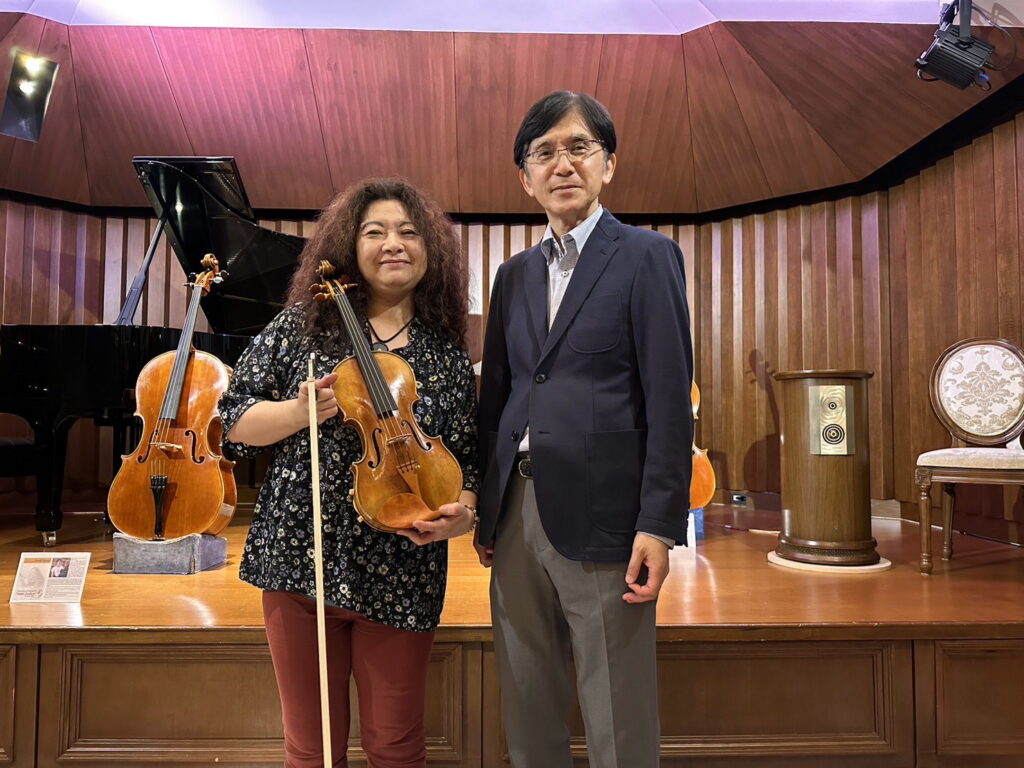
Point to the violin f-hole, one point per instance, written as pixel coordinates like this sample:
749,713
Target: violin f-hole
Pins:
377,449
420,437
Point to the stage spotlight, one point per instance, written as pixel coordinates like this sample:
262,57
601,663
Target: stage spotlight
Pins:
28,95
954,56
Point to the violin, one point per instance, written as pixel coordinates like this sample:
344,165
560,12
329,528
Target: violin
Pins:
403,475
702,482
176,482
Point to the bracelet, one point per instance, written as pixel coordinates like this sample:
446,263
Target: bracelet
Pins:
476,517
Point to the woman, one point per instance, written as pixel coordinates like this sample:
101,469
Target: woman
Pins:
384,591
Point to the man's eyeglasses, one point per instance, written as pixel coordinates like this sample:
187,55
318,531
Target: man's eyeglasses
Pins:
577,152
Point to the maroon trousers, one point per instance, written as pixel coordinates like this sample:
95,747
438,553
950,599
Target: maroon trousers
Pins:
390,669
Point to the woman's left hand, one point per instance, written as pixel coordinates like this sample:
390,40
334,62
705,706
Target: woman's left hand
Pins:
455,520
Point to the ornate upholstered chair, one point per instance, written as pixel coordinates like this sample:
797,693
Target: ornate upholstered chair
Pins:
977,392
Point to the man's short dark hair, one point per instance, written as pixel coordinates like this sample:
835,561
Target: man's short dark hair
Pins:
552,108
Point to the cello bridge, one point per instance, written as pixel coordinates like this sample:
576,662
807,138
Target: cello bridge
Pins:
169,447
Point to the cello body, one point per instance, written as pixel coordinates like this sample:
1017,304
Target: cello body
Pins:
702,481
176,482
200,493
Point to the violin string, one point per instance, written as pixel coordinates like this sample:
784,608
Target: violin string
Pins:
352,324
372,376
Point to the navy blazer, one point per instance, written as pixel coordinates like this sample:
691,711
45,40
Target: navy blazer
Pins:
606,393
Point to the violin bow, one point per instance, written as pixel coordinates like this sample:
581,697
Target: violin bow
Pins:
318,564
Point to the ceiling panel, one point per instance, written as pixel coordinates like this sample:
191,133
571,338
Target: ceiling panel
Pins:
726,163
248,93
498,78
655,155
7,22
147,120
387,106
794,157
55,166
854,84
727,114
24,33
571,16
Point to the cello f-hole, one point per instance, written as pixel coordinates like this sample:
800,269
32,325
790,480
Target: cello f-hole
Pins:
196,458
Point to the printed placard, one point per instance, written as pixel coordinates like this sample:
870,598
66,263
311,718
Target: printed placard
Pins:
50,578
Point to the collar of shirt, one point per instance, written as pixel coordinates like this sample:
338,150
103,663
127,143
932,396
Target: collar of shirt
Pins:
552,249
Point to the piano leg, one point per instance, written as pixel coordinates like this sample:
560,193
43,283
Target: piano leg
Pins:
50,479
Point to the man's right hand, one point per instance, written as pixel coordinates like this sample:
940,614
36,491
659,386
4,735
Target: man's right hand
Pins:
326,403
486,554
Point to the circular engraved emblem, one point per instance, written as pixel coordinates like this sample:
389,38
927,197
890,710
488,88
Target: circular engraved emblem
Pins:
832,407
833,434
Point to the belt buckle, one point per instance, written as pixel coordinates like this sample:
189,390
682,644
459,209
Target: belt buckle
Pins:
525,468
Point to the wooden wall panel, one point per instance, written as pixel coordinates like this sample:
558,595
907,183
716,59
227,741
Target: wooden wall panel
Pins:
794,157
7,22
25,32
497,78
855,83
55,166
883,281
725,160
252,97
18,686
89,716
386,102
771,705
655,152
147,122
765,109
956,248
968,703
795,289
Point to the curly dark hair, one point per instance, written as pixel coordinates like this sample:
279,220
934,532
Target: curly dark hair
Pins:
440,299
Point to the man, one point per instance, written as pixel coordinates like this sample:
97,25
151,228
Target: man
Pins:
587,434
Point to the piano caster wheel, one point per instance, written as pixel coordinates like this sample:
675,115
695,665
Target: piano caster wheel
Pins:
49,538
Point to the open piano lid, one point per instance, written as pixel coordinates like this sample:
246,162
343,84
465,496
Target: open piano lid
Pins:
208,211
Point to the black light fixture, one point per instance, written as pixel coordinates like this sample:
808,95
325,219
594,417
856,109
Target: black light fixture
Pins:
954,56
28,95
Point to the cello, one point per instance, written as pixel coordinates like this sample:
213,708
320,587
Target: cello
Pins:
702,481
403,475
176,482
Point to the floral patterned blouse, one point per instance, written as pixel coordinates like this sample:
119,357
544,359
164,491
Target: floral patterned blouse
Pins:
382,576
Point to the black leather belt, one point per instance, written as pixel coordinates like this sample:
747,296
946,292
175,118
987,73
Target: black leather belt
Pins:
525,467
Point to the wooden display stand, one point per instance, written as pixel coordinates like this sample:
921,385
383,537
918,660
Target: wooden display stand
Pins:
826,484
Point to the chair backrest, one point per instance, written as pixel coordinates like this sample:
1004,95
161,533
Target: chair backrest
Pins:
977,390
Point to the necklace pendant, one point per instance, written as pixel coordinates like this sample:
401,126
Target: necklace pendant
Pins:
379,346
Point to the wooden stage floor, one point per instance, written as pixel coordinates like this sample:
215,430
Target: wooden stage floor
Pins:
723,589
759,666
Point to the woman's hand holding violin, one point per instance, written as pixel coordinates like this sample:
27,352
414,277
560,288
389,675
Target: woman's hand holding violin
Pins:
455,520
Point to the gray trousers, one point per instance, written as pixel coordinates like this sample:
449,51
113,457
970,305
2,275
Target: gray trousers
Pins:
543,605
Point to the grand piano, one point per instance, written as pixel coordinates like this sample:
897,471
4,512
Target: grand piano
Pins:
52,375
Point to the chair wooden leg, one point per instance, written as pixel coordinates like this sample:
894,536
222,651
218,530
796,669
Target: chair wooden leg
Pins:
947,520
923,479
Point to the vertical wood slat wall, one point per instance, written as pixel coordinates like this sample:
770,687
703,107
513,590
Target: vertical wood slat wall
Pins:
882,281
